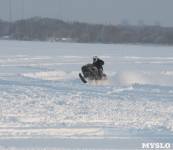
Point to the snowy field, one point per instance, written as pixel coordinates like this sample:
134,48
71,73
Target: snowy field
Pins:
44,104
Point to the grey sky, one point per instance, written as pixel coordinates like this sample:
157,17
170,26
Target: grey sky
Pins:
92,11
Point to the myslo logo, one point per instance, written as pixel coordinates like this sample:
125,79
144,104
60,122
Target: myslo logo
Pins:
156,145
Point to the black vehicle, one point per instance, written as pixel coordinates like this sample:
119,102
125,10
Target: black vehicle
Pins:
91,73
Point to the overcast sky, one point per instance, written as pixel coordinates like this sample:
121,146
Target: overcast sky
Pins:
92,11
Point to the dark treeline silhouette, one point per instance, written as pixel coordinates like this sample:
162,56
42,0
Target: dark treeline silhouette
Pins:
53,29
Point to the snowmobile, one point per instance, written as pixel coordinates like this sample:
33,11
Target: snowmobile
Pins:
90,73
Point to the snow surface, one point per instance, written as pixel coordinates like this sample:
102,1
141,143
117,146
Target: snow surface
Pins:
44,104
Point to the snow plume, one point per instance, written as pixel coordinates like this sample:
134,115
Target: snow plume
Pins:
128,78
142,77
99,82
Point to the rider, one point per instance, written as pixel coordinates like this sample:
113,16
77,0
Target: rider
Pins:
98,64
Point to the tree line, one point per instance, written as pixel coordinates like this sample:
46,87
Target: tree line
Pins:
43,29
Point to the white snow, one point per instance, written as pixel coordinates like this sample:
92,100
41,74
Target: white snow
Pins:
44,104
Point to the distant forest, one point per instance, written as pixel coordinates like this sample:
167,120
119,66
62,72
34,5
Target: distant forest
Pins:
46,29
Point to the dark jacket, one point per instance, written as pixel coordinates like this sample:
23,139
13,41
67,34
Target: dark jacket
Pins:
99,63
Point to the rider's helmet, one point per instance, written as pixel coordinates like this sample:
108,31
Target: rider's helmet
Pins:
95,58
